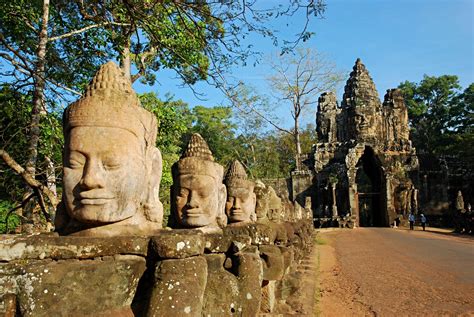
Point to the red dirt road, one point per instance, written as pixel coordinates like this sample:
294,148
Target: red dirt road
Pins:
395,272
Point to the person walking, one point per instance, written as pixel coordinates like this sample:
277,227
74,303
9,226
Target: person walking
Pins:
411,218
423,221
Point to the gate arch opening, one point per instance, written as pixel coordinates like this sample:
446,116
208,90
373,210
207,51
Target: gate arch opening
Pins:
369,186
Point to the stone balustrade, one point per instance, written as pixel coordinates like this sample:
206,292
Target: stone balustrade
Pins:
179,272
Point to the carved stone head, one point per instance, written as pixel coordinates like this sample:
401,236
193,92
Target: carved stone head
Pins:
112,169
198,193
261,207
240,205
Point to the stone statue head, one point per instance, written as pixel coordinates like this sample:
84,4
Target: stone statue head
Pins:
112,169
261,207
240,205
198,194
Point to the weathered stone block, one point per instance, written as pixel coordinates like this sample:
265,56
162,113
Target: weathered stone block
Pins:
260,233
273,262
73,287
217,242
44,246
178,244
179,287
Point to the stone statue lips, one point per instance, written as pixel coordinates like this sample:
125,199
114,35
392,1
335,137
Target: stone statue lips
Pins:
236,212
94,197
193,212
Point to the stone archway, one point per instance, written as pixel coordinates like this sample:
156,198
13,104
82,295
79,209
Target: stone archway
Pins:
369,180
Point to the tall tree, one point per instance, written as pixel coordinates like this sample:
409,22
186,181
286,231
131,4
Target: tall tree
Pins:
297,80
439,112
216,127
51,49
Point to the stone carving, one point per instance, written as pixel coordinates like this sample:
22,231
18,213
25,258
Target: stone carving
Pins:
198,194
361,105
269,206
177,273
112,169
370,135
241,199
326,117
395,117
261,208
459,203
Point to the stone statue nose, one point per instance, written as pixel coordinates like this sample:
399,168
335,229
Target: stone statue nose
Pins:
237,203
193,201
93,176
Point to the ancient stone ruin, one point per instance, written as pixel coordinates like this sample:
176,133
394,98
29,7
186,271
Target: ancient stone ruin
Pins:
364,157
110,257
363,171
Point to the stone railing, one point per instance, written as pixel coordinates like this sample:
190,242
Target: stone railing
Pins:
240,272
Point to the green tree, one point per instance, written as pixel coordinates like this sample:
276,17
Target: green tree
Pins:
52,48
216,127
441,115
14,118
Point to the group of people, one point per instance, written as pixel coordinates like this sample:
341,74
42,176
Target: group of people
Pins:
412,219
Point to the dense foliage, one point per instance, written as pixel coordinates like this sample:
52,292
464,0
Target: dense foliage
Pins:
441,116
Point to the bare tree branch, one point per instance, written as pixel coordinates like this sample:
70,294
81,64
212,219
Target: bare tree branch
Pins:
33,183
84,29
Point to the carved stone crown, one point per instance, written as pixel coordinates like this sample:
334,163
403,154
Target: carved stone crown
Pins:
109,101
197,147
197,159
236,176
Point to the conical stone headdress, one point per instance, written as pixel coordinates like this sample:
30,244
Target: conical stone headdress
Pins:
237,177
109,101
197,159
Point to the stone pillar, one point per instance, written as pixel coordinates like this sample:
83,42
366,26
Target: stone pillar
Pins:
389,190
353,194
178,287
334,203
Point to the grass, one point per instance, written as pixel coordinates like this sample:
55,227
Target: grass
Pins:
320,241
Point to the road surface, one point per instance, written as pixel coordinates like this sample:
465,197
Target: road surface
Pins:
395,272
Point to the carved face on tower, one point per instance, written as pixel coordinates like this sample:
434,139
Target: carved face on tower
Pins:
241,200
112,170
198,192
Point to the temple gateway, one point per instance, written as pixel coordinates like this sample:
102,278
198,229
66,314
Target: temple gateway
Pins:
364,164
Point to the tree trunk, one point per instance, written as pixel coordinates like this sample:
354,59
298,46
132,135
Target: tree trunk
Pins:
297,143
125,61
38,98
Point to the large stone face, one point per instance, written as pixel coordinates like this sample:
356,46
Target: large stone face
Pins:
326,118
241,199
112,169
361,105
198,194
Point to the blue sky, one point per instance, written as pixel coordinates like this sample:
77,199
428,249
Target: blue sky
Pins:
397,40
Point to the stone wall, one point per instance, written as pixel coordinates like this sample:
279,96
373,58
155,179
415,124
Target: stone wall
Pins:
440,179
240,272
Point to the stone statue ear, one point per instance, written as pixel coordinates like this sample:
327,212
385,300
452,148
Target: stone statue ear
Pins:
253,215
153,206
222,197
